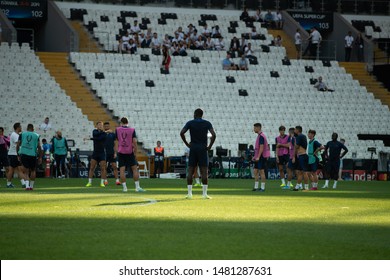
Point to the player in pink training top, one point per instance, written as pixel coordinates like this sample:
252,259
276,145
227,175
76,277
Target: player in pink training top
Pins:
262,153
282,153
126,149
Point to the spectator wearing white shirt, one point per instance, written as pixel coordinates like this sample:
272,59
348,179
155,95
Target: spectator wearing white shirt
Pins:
180,32
257,16
298,43
199,44
278,20
249,52
135,29
206,32
219,44
216,32
315,40
155,44
321,86
46,125
209,44
124,43
348,46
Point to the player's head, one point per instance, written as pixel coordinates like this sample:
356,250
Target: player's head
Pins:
198,113
17,127
59,134
342,140
124,121
334,136
291,131
99,125
30,127
257,127
282,130
44,141
311,133
298,129
46,120
106,126
158,143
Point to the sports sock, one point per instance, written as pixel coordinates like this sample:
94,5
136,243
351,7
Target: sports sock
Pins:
189,189
27,183
306,186
124,185
289,183
102,181
117,180
8,183
262,186
256,185
335,184
283,181
32,184
22,181
205,189
326,182
136,183
90,180
197,181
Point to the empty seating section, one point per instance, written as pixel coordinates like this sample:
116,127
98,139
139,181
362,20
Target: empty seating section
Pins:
376,27
29,93
159,112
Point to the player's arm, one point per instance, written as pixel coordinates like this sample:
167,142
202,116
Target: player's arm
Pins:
183,136
40,152
345,151
319,148
276,150
213,137
326,151
135,145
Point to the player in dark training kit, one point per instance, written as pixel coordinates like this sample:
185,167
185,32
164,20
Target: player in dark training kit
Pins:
333,153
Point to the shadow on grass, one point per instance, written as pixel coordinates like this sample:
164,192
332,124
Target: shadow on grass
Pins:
139,238
145,202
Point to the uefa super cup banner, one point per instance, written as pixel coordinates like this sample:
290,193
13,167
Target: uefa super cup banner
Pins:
323,22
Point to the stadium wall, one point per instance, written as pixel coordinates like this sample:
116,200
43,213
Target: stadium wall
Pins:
8,33
57,35
290,26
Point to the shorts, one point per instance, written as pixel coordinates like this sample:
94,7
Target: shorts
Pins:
29,162
126,160
303,162
198,156
283,160
13,161
313,167
261,164
110,158
292,165
101,156
4,161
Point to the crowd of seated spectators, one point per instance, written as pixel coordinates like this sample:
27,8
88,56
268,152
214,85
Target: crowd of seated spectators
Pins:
269,20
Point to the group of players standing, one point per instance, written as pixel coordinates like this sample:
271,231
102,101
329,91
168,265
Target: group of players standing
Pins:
295,153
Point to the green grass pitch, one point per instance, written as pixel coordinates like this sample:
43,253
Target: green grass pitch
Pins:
61,219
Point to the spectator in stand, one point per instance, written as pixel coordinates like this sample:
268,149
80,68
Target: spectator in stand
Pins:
190,30
1,32
180,32
243,63
298,43
348,46
193,39
245,15
321,86
243,44
249,52
278,20
277,42
176,39
254,34
227,64
182,48
144,41
257,16
209,44
132,46
216,32
234,46
124,43
199,44
46,125
220,44
174,49
135,29
269,19
166,59
149,32
206,32
155,44
359,42
167,41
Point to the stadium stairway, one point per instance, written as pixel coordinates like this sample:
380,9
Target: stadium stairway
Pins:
359,72
67,78
86,42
